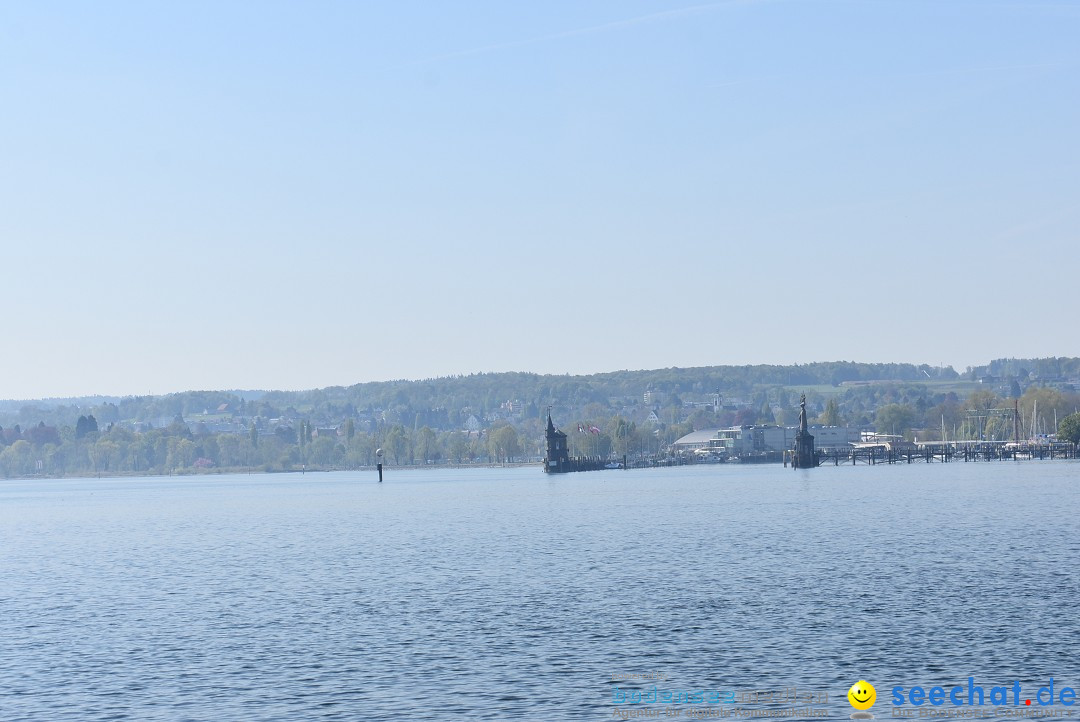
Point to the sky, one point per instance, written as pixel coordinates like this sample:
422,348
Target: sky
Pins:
291,195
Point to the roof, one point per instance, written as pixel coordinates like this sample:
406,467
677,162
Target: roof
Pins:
699,438
551,430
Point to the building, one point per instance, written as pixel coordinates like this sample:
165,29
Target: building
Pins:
764,438
558,454
696,440
651,397
558,460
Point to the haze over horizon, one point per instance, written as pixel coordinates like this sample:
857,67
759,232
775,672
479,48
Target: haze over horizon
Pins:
211,196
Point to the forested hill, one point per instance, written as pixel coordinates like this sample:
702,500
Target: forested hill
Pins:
448,402
478,394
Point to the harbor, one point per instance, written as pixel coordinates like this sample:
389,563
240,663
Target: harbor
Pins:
805,446
954,451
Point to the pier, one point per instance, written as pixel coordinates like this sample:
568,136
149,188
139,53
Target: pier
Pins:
948,452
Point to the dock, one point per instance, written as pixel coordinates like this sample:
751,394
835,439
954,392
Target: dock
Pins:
945,452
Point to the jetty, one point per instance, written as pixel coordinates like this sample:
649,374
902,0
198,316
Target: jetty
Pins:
947,452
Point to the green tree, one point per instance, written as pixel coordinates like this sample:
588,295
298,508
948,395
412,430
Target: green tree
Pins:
362,449
396,445
831,415
181,453
17,459
103,453
426,446
1046,403
322,451
229,450
1069,428
457,446
505,444
894,419
178,427
981,400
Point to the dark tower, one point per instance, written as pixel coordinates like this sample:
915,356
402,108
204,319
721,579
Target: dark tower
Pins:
558,455
804,456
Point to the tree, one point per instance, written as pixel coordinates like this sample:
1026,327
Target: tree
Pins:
505,444
109,413
178,427
625,433
322,451
17,459
427,447
744,416
1069,428
894,419
1046,403
458,446
831,415
103,453
181,453
229,450
981,400
42,434
396,444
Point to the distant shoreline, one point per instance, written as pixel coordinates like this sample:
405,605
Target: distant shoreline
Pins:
257,470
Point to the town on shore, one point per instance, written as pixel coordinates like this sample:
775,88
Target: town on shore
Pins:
675,415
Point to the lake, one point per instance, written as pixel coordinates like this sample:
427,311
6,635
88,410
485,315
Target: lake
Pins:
508,594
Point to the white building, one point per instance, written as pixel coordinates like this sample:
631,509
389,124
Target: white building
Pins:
739,440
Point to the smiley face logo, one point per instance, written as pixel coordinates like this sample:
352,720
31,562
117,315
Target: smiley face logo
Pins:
862,695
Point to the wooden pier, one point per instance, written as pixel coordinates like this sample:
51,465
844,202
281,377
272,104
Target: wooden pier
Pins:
949,452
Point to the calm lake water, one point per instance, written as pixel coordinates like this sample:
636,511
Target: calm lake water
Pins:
506,594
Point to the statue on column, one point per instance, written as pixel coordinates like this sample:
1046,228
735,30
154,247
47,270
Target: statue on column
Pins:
804,456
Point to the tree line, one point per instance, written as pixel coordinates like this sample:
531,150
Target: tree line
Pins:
51,451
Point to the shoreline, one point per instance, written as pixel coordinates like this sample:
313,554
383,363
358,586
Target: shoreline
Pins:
258,470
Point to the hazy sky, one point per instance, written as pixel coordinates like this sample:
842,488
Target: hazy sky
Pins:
301,194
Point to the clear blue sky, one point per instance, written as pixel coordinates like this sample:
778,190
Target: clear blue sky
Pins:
300,194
